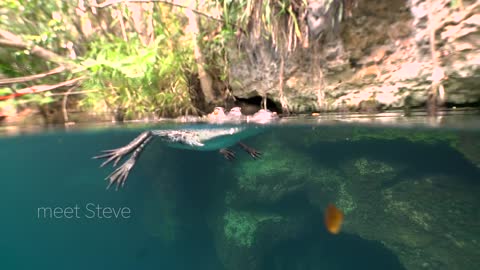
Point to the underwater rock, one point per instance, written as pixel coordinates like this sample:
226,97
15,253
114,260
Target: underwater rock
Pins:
329,185
279,173
243,237
435,217
469,146
426,222
423,215
467,143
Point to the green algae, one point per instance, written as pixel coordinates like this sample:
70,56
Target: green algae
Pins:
345,200
241,226
406,209
372,167
278,173
414,136
327,176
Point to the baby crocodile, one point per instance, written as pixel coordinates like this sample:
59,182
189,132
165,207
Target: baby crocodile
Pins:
201,138
235,116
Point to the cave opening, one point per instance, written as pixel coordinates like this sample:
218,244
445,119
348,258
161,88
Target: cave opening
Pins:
321,250
253,104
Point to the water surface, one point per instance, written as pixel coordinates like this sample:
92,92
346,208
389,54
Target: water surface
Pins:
409,192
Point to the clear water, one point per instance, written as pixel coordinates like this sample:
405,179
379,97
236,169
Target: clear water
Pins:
410,196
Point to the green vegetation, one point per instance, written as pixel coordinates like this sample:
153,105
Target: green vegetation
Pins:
132,59
146,81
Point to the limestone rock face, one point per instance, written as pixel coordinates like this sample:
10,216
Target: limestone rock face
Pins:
382,56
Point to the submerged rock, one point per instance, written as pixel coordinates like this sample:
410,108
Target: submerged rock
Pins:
427,222
426,218
280,172
243,237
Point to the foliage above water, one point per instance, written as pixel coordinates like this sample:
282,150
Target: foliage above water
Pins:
136,59
138,80
120,70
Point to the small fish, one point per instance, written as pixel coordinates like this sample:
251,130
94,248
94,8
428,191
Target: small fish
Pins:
333,219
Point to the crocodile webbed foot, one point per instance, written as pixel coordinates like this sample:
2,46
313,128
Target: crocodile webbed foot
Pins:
227,153
251,151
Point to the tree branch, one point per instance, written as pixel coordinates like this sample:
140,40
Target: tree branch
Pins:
114,2
64,103
40,88
31,77
11,40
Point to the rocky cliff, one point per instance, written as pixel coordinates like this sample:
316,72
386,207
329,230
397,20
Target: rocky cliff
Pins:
381,58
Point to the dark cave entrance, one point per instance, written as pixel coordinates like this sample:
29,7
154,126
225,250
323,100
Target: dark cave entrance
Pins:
315,248
325,251
253,104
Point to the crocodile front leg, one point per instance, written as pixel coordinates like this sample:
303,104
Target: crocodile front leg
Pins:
120,175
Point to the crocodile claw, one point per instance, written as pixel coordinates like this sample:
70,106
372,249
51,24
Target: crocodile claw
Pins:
119,176
112,154
228,154
251,151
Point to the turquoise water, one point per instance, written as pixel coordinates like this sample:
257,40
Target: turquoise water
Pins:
409,197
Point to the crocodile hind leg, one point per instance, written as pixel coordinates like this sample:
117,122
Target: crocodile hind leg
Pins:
119,176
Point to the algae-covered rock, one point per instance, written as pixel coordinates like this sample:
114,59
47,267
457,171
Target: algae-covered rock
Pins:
329,185
241,226
422,213
435,217
467,143
469,146
242,237
426,222
411,135
364,177
330,134
366,167
279,173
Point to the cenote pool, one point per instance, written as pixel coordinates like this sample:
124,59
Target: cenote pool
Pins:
409,194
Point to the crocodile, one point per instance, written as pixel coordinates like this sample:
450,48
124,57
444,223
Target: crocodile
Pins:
204,137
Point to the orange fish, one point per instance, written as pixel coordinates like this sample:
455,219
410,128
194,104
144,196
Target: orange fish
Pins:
333,219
